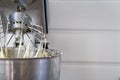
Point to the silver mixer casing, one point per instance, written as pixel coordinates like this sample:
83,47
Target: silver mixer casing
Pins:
13,20
33,16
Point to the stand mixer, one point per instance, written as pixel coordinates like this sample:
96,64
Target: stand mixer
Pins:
24,53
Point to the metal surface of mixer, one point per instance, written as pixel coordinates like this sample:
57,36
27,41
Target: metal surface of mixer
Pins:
24,54
24,34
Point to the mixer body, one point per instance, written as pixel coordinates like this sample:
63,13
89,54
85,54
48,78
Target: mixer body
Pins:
17,16
23,45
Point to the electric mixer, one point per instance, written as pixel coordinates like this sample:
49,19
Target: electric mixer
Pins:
24,53
21,29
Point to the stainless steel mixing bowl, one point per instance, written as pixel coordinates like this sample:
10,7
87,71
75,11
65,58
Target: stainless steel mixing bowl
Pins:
31,68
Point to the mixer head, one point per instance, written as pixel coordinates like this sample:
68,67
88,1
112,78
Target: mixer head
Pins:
26,38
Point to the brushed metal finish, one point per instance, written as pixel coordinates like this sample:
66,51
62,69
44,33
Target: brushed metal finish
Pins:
31,69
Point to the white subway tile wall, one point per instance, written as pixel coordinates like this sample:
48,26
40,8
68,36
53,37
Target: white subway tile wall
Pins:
88,32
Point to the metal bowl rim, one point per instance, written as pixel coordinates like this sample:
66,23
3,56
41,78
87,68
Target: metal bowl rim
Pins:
58,54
